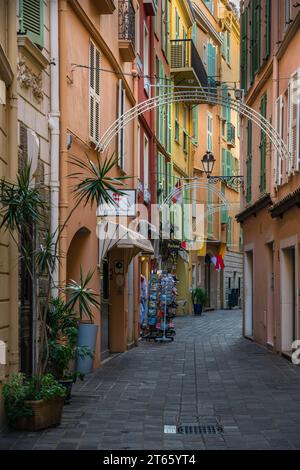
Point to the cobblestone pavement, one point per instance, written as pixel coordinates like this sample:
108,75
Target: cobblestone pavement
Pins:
209,375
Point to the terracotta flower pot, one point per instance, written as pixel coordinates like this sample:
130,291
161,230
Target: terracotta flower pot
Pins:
46,413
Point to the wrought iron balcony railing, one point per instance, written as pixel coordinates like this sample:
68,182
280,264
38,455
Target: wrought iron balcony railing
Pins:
186,64
126,21
231,134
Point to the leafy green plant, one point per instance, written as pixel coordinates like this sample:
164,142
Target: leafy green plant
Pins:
62,331
199,296
20,389
81,296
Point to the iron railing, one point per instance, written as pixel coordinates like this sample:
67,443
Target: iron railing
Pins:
126,21
185,55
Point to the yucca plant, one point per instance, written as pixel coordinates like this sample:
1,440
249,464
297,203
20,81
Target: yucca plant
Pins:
81,297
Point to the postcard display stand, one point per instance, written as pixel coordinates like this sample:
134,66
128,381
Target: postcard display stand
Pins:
161,307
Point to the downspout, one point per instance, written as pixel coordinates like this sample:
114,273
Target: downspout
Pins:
54,116
13,345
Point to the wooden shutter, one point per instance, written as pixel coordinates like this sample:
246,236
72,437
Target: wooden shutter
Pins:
294,121
244,50
94,93
169,177
263,146
268,27
249,163
32,20
224,162
121,133
163,25
194,33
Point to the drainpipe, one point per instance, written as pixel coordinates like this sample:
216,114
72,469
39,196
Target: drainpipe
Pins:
13,346
54,129
275,76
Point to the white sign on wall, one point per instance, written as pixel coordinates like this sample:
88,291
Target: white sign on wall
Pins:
124,204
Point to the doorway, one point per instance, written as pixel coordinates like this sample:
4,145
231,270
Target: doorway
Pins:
104,310
208,280
270,295
248,326
288,298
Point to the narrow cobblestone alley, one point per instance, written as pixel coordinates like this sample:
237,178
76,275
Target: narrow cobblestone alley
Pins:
209,375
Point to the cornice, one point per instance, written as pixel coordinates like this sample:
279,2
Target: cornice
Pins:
34,54
261,203
5,68
98,38
292,30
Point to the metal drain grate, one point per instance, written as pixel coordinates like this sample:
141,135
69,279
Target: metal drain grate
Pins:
206,429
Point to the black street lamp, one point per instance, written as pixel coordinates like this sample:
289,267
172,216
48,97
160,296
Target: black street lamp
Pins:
208,162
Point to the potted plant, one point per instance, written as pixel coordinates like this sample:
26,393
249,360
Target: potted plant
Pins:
62,333
24,214
33,403
199,298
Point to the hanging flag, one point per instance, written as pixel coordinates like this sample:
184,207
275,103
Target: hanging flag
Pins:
177,196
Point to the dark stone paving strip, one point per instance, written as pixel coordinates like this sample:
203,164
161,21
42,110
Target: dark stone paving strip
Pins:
209,374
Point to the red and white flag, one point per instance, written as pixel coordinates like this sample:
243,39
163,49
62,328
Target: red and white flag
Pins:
177,196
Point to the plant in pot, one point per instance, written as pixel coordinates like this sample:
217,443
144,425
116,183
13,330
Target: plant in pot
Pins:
199,298
62,333
35,402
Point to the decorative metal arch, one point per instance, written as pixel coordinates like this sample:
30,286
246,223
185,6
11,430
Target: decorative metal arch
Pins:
197,95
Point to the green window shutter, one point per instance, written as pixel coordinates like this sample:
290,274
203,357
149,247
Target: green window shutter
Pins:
177,24
229,231
256,51
244,50
252,39
211,63
228,48
249,164
268,28
209,213
223,45
169,136
224,96
169,177
224,213
194,33
263,146
224,162
168,22
163,26
228,163
32,20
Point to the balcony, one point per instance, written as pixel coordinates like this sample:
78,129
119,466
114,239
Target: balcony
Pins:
105,7
231,135
126,30
186,64
150,7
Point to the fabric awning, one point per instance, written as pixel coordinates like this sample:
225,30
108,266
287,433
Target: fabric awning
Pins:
112,235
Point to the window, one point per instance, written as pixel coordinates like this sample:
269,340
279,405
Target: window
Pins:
228,47
212,64
146,163
177,122
137,30
139,152
163,25
229,231
209,132
294,121
121,133
146,59
169,177
94,92
177,24
194,279
268,24
194,33
249,163
185,132
31,17
278,163
195,125
244,50
210,5
263,146
224,213
161,177
287,13
209,210
255,37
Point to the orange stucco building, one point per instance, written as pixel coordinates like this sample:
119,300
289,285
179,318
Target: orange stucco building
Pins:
97,84
270,215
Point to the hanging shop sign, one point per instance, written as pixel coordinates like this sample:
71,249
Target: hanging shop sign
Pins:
124,204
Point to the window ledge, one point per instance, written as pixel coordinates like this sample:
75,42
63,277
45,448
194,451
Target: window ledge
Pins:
32,52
